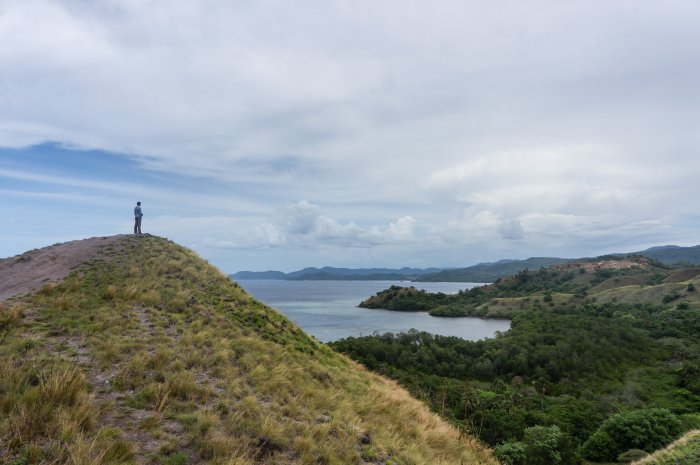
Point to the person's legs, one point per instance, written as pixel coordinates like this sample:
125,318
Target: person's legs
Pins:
137,225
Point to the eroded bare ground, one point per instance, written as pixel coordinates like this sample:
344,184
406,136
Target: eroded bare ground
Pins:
25,273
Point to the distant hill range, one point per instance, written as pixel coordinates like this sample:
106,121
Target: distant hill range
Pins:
489,272
672,254
328,273
481,273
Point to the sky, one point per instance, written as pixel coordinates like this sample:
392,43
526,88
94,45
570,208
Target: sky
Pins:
278,135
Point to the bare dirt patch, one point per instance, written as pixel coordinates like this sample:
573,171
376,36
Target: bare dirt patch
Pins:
31,270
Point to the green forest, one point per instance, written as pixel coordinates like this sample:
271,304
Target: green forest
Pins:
588,377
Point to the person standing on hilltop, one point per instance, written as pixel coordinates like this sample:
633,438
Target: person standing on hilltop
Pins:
137,218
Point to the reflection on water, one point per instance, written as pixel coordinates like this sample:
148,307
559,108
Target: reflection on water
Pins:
328,309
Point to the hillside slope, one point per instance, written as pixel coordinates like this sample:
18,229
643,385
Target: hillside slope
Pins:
685,451
146,354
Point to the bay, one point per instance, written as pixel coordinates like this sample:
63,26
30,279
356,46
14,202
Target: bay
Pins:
328,309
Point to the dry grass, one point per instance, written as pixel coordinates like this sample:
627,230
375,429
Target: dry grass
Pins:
10,315
61,385
194,368
685,451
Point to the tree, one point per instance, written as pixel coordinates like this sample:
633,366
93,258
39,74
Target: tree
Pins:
510,453
646,429
542,445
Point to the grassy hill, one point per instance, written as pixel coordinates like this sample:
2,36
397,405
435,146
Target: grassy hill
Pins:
147,354
685,451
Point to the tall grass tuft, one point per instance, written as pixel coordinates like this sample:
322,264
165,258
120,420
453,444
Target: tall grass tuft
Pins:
10,316
110,292
61,386
83,451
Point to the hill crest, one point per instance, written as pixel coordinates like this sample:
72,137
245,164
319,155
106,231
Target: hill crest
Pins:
145,354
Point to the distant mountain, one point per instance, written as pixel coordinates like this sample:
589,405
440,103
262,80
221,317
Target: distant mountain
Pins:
489,272
663,247
672,254
328,273
258,275
482,273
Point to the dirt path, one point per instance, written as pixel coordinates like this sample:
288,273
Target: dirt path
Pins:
27,272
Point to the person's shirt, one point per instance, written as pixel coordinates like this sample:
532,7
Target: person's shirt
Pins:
137,211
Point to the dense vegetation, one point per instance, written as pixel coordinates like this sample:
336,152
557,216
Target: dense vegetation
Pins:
148,355
606,279
645,430
564,368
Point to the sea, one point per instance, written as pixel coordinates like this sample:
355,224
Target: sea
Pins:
328,309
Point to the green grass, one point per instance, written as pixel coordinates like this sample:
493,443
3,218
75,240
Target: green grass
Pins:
507,307
660,294
149,353
685,451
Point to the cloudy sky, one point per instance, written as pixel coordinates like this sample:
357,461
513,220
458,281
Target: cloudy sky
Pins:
276,135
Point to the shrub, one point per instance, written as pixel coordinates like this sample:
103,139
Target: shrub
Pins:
542,445
510,453
600,446
647,429
631,455
690,421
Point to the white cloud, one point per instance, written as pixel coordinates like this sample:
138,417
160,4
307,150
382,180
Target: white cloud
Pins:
511,229
302,225
484,124
402,229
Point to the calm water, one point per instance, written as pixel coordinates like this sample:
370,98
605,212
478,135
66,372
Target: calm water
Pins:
328,309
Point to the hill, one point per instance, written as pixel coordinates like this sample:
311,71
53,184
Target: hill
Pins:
609,279
481,273
271,274
329,273
489,272
685,451
139,352
672,254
